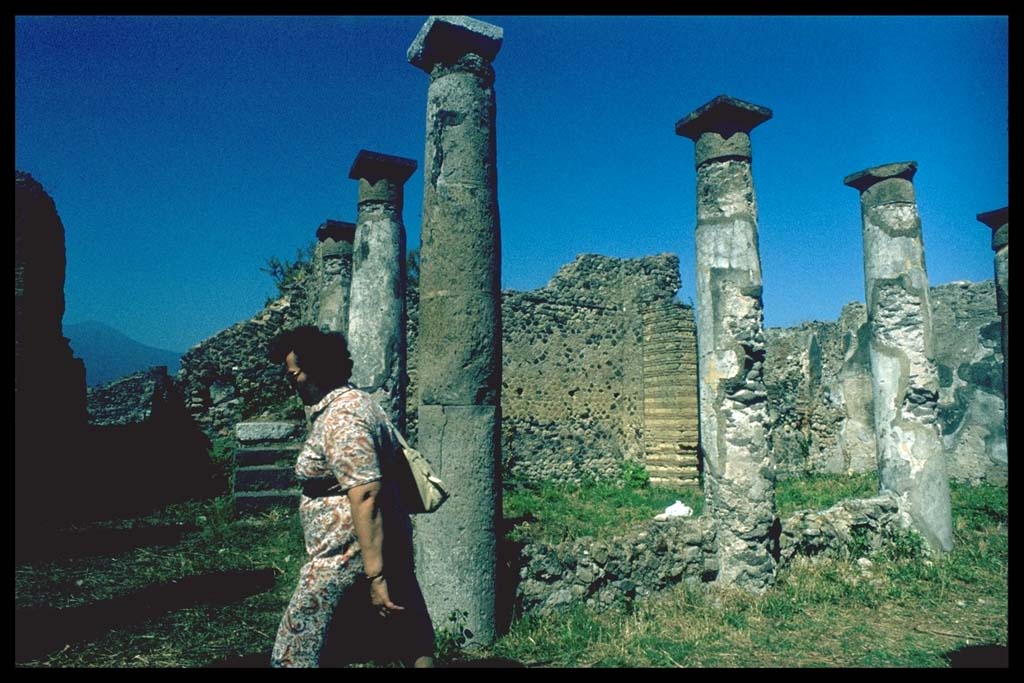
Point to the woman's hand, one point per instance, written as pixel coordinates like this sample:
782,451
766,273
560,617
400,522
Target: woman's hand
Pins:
380,598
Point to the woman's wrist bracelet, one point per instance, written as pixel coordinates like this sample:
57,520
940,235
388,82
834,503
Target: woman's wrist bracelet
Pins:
374,577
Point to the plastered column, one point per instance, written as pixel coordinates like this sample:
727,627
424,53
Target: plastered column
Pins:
376,319
334,274
905,381
999,221
739,471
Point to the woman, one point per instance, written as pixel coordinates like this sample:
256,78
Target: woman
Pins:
346,516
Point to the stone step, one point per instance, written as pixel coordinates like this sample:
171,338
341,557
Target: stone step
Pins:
686,459
680,472
670,452
253,456
674,411
667,423
666,482
678,460
671,448
251,502
672,445
653,464
665,342
677,419
666,377
667,355
671,435
679,381
249,433
264,478
663,399
678,423
678,365
673,389
677,402
675,369
678,409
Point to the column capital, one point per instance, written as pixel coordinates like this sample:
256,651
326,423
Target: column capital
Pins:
374,166
865,179
999,221
445,39
723,115
339,231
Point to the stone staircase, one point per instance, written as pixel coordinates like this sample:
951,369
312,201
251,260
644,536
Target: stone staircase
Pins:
670,395
264,465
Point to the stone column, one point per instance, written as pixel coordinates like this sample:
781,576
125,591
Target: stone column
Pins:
905,381
376,319
999,221
739,470
334,262
459,367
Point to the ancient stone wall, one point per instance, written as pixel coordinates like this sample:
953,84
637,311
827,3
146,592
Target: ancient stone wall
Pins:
819,385
656,556
228,378
573,393
573,369
130,399
969,357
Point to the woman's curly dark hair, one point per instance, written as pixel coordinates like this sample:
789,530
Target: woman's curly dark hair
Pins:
323,356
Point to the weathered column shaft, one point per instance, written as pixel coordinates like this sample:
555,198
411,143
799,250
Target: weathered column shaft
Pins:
376,322
905,382
999,221
739,469
459,366
334,274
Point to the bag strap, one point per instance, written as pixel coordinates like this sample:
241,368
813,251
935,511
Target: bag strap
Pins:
401,439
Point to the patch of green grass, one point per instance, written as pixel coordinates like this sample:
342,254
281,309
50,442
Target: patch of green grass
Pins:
189,637
903,609
818,492
552,514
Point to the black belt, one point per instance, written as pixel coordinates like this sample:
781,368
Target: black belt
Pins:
321,488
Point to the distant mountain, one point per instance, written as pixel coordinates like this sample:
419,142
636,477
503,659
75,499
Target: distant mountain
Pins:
109,354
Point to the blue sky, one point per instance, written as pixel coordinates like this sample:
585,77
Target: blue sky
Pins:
183,152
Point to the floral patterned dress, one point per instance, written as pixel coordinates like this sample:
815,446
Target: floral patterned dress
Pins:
348,431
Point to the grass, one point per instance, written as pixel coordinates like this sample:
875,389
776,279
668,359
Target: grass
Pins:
902,610
552,514
190,637
820,491
899,611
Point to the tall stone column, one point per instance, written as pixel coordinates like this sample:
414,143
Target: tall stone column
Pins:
376,319
459,368
905,381
999,221
334,263
739,471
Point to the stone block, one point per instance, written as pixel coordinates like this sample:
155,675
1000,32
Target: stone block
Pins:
268,432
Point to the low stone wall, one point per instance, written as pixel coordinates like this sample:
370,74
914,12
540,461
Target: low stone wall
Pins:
603,574
659,555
